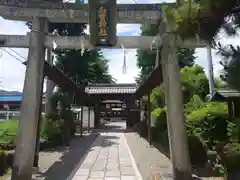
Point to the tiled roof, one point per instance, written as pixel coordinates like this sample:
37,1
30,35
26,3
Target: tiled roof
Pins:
229,93
111,89
224,94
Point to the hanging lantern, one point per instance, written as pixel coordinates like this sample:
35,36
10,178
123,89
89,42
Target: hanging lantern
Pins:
102,23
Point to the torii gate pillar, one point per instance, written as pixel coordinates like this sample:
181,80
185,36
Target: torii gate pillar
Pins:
26,136
179,150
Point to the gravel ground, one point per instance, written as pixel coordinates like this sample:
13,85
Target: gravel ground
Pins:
150,161
59,163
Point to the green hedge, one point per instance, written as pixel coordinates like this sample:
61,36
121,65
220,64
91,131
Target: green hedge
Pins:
8,130
159,131
231,157
209,123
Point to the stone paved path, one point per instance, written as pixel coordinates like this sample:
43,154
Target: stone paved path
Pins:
109,159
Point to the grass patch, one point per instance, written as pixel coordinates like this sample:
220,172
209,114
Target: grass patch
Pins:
8,130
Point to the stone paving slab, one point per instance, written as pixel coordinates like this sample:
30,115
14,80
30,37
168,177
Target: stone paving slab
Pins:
108,159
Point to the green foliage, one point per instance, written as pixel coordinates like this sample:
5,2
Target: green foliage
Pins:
230,62
159,131
231,157
8,130
157,97
194,81
195,103
203,18
92,67
161,118
58,125
51,130
209,123
146,59
6,161
234,130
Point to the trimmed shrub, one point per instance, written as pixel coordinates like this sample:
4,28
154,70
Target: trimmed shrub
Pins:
160,124
209,123
8,130
234,130
231,157
161,118
51,130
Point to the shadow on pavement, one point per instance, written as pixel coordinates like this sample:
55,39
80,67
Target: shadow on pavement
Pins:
74,155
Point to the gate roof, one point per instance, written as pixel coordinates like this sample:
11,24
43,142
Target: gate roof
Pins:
105,89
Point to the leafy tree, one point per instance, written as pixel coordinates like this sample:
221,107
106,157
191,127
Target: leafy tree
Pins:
205,19
231,65
89,68
194,82
146,59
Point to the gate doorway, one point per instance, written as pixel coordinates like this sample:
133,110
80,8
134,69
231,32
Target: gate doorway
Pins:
113,104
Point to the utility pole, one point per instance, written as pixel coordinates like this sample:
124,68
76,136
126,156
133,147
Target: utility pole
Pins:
50,84
25,142
210,69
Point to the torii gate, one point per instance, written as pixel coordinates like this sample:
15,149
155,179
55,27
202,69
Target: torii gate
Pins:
40,13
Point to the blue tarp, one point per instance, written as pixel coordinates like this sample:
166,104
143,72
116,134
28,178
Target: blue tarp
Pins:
10,98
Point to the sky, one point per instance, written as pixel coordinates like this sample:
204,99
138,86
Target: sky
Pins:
12,71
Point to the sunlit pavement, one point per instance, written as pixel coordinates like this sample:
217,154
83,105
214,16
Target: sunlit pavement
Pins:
108,159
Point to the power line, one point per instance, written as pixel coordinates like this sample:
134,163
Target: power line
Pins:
16,58
18,54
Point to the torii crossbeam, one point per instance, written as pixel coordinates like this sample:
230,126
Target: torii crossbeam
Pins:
75,42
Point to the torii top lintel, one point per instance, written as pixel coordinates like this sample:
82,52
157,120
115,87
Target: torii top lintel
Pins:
76,13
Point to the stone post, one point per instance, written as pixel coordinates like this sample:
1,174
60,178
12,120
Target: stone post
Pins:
176,119
89,117
149,120
96,115
37,145
26,135
81,126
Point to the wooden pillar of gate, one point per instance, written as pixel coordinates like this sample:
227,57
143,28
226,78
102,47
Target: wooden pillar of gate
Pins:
174,100
130,113
96,115
37,145
89,117
149,119
30,107
81,125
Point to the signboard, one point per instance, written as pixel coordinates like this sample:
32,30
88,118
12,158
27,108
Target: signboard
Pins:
102,22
